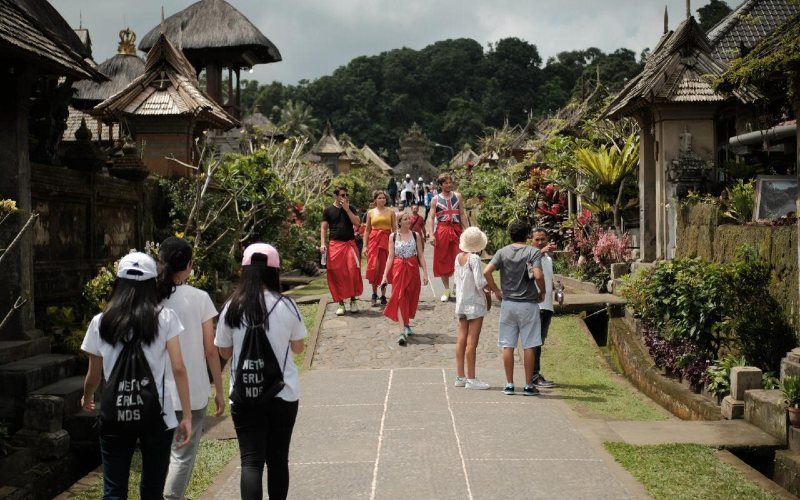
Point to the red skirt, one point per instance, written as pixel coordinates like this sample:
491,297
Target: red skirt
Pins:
406,285
446,248
344,271
377,252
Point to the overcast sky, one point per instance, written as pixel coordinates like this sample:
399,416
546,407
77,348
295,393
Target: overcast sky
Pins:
317,36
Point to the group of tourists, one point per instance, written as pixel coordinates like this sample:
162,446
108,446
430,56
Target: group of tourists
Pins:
408,192
394,244
155,347
156,351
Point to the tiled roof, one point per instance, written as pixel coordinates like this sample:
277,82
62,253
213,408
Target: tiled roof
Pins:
168,87
750,22
74,123
23,36
680,69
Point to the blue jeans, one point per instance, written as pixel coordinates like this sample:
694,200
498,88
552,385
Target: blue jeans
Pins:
116,449
264,436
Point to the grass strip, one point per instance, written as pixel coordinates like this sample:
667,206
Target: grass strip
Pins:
585,381
684,471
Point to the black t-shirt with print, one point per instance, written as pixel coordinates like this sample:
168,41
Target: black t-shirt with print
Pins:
340,225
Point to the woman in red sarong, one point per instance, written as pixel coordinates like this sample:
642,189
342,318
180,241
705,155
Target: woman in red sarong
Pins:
405,258
380,224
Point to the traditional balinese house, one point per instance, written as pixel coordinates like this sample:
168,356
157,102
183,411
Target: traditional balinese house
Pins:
165,111
259,124
375,159
196,30
676,106
464,158
330,151
415,155
121,69
37,47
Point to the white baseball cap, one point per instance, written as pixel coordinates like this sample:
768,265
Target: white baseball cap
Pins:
137,266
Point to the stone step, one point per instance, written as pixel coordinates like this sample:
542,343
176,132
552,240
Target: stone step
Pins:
26,375
790,366
69,389
787,471
765,409
15,350
82,426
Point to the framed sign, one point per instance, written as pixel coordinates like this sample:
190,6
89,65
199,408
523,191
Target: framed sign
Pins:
776,196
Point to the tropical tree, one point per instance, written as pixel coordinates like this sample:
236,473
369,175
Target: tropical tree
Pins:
605,171
297,119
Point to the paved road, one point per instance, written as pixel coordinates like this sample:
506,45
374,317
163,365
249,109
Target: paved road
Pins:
378,420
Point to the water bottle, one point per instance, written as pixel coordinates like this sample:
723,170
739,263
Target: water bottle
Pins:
559,293
323,259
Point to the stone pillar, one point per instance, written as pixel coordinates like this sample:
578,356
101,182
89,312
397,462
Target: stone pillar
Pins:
743,378
647,189
16,272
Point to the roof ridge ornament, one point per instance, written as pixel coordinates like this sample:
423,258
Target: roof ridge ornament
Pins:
127,42
666,20
688,9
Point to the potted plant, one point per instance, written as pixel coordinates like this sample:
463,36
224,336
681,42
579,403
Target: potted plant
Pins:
790,386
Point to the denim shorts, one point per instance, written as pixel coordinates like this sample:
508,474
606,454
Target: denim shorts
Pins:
519,320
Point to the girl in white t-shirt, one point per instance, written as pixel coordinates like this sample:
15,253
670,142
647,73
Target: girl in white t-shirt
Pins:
133,315
197,312
264,434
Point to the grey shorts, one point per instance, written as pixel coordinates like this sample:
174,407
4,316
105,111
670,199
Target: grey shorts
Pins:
519,320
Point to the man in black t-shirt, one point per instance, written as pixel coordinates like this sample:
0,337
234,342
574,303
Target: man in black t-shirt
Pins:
344,263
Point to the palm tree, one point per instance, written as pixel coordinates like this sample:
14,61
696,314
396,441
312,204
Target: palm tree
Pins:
606,170
297,119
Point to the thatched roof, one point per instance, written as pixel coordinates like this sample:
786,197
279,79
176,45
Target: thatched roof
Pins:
749,23
375,159
86,40
680,69
778,55
328,144
213,30
258,120
34,32
167,87
568,120
463,157
121,70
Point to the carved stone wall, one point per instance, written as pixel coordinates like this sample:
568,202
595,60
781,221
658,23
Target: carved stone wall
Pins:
86,220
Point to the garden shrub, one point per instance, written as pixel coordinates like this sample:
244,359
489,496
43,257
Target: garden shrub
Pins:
701,310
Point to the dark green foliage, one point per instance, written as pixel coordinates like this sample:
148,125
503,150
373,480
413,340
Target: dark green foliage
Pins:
719,308
453,89
712,13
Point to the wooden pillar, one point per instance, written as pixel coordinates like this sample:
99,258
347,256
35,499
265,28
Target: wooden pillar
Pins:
647,189
16,272
238,102
214,82
230,87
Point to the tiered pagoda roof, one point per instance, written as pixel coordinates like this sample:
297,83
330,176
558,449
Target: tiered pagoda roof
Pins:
680,69
167,87
121,69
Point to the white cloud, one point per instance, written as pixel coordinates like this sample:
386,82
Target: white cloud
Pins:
317,36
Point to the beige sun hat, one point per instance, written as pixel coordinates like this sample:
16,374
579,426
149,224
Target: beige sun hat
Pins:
472,240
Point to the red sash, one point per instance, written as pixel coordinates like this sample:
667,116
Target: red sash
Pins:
406,285
446,248
344,271
377,252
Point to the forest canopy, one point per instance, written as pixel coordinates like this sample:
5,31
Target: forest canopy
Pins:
453,89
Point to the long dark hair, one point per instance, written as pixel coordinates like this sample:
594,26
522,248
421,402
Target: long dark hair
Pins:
246,304
132,309
174,254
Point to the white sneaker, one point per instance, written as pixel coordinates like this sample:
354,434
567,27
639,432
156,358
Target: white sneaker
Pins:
340,310
461,381
445,296
353,306
476,384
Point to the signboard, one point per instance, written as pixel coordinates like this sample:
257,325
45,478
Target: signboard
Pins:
776,196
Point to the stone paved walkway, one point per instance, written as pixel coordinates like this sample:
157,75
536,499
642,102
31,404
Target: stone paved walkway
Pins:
379,420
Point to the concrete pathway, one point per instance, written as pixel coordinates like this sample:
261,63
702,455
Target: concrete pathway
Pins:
379,420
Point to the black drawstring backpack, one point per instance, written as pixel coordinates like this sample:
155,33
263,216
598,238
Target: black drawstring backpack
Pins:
129,399
259,377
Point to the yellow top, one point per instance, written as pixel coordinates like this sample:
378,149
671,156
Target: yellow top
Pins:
381,221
